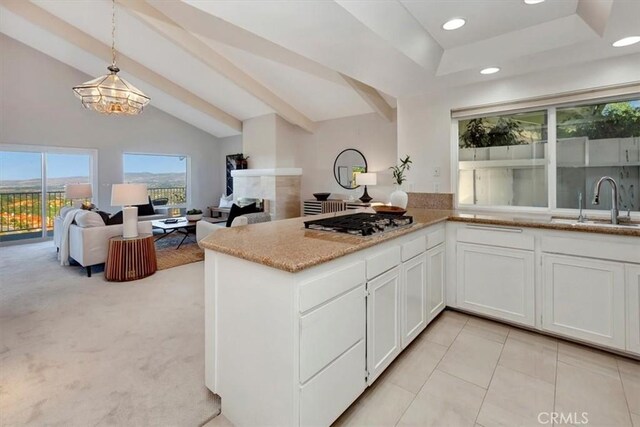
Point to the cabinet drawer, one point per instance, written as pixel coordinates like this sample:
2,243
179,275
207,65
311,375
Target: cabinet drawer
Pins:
326,396
330,330
434,238
414,247
383,261
324,288
506,237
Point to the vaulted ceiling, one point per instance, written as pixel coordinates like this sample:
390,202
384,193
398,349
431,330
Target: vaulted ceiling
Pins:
215,63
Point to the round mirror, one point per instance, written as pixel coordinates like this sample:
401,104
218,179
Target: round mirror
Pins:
347,164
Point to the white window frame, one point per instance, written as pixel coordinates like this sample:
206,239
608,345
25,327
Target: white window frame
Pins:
187,202
551,209
43,150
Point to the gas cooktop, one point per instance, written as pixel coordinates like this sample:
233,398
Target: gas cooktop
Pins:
361,224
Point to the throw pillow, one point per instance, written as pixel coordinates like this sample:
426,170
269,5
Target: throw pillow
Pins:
146,209
226,202
65,210
104,216
86,219
239,211
115,219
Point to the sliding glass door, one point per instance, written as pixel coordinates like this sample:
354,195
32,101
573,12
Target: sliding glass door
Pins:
32,181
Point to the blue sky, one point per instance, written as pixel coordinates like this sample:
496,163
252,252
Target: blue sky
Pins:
23,165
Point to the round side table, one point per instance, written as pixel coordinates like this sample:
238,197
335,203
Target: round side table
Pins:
130,259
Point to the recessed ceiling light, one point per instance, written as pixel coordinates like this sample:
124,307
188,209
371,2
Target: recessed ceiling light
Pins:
627,41
533,1
454,24
490,70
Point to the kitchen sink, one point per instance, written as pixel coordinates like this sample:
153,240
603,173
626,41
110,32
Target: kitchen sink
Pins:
592,223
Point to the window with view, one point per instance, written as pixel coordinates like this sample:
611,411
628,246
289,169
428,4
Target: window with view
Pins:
598,140
509,160
502,160
166,176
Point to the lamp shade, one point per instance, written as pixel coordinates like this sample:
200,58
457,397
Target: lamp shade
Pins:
77,191
367,178
129,194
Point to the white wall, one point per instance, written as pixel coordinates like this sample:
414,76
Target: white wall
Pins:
424,122
37,107
374,136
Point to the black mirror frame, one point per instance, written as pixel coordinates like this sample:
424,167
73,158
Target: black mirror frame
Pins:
335,162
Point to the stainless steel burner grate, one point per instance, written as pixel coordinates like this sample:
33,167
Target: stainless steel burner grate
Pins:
360,224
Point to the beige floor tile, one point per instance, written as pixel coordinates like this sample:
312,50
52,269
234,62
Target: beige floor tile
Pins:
635,419
533,357
446,328
472,358
630,375
381,405
588,358
534,337
515,399
493,331
413,367
444,401
580,389
219,421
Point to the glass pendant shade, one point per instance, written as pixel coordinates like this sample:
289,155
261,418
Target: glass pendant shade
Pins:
110,94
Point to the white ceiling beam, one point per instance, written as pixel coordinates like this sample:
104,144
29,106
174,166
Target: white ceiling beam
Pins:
595,13
172,31
214,28
58,27
392,22
372,97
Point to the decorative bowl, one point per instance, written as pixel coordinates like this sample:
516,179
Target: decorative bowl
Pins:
194,217
393,210
321,196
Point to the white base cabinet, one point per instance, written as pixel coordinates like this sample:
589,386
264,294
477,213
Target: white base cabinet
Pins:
496,281
383,316
436,265
584,299
633,308
413,293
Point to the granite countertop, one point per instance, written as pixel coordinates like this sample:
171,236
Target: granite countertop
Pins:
287,245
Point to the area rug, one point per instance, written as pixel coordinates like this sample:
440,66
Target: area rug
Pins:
169,257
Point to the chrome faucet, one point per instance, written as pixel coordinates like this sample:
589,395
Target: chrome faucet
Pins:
614,196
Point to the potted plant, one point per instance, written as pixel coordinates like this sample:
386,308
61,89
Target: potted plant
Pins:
398,197
194,215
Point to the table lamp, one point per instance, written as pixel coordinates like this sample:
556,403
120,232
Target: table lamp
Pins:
77,192
366,178
126,195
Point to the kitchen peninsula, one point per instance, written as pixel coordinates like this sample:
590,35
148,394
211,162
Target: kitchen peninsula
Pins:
299,322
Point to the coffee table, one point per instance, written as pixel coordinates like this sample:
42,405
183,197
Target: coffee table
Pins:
188,228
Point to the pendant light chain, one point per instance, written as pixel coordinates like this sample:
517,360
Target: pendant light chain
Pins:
113,32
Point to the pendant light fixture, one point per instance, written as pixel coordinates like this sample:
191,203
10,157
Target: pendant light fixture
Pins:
110,94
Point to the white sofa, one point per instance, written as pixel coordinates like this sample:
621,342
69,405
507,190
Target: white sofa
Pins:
57,226
204,228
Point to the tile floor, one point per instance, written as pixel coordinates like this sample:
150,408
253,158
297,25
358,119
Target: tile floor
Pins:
466,371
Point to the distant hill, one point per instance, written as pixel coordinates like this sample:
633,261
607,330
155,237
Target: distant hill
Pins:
153,180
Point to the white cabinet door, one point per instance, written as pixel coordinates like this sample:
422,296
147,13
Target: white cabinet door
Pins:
383,317
633,308
584,298
435,281
413,289
496,281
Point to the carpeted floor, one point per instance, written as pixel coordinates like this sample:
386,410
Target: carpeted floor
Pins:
169,256
78,351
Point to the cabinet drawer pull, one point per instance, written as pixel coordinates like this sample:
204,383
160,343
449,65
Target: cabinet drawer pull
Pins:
495,228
